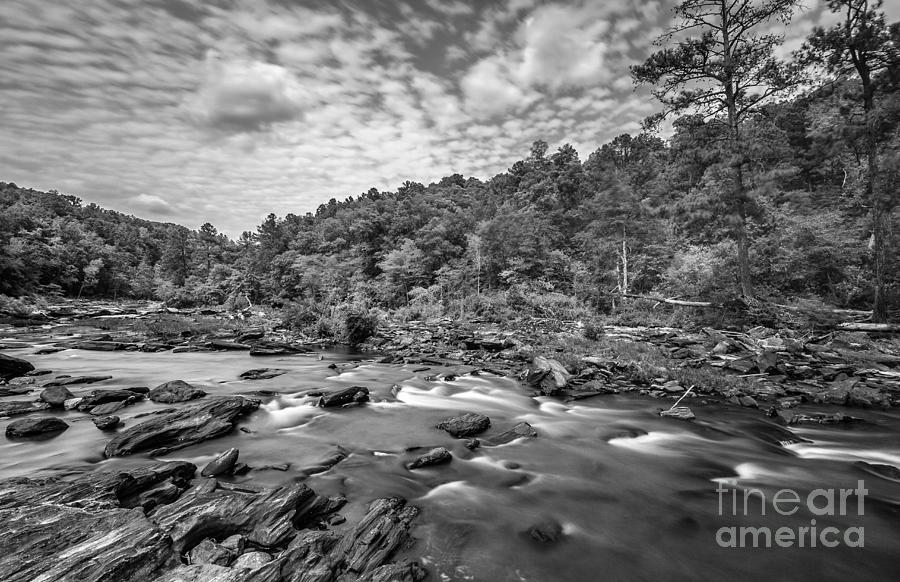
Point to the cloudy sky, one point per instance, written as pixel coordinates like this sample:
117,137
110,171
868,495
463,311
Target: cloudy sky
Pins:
226,110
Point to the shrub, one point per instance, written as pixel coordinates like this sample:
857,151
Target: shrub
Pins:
359,326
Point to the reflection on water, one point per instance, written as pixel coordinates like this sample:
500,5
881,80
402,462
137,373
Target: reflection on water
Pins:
632,495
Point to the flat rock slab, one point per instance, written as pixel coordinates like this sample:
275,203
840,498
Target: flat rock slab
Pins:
175,391
25,427
519,431
11,367
185,427
56,396
465,425
262,373
16,407
76,380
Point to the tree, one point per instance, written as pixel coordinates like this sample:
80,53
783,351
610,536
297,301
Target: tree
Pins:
721,63
862,45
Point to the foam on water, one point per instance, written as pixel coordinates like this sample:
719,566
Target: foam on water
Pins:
657,442
832,451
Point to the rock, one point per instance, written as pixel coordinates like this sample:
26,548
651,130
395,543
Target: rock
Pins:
234,543
353,394
108,408
100,346
767,361
262,373
68,381
209,552
742,366
276,349
35,426
11,367
251,561
822,418
745,401
222,464
56,396
182,428
251,334
547,531
547,375
226,345
465,425
326,462
106,422
521,430
679,412
436,456
61,528
175,391
98,397
16,407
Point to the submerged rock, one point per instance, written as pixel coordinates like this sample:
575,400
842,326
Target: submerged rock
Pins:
11,367
76,380
547,531
521,430
465,425
436,456
182,428
35,426
175,391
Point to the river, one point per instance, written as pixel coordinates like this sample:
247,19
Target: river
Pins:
635,495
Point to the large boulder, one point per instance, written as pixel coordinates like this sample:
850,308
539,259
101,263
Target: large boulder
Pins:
465,425
11,367
35,426
175,391
182,428
548,376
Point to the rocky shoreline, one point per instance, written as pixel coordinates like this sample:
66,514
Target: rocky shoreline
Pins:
164,522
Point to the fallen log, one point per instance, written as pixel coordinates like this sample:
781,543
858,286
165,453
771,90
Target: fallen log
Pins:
872,327
668,301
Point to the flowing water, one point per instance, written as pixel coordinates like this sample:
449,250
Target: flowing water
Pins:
635,495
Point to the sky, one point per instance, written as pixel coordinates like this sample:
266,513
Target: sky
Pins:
223,111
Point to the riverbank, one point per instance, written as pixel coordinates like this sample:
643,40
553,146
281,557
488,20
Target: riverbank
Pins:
370,416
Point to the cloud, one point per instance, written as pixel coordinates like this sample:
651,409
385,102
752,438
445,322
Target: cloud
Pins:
151,203
490,90
245,95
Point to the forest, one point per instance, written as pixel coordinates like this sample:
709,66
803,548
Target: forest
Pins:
778,182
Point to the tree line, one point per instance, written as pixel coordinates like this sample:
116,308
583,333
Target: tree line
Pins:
780,180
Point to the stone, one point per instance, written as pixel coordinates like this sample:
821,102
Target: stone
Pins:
209,552
185,427
108,408
98,397
679,412
35,426
16,407
262,373
547,375
251,561
69,380
547,531
226,345
106,422
175,391
222,464
436,456
465,425
11,367
56,396
350,395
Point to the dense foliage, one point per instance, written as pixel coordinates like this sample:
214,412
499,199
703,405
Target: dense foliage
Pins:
639,215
